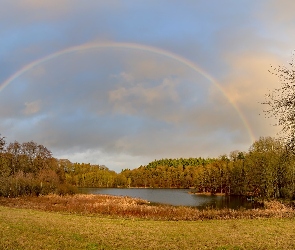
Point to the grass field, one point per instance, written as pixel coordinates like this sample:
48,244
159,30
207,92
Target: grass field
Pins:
33,229
109,222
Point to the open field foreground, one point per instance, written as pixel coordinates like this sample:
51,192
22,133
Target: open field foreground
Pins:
33,229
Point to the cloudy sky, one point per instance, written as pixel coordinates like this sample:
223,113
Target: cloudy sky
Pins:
122,83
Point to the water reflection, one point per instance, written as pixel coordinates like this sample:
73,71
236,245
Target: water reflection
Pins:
218,202
176,197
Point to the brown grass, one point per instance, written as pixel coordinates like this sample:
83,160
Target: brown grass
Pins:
125,207
22,229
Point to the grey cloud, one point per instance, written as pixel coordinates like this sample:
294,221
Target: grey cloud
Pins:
81,101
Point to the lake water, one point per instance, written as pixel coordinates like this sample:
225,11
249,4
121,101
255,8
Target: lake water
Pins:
176,197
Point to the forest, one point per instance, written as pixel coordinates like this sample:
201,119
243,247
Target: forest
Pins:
267,170
30,169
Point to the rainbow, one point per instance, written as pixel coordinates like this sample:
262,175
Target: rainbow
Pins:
133,46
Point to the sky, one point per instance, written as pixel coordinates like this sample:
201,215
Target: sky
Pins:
122,83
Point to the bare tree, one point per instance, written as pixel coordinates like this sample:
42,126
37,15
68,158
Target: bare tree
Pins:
281,102
2,143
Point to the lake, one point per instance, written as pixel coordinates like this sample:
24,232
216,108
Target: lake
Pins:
176,197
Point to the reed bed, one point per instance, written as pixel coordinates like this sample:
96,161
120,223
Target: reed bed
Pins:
126,207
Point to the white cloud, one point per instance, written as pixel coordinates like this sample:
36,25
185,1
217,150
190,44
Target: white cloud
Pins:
32,107
140,97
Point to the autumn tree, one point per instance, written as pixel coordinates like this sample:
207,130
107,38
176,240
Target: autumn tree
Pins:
4,166
29,169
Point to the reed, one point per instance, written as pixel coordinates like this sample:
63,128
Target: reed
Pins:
126,207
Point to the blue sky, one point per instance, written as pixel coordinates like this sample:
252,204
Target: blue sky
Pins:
124,107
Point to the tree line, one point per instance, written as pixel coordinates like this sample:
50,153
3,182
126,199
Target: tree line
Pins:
267,170
30,169
87,175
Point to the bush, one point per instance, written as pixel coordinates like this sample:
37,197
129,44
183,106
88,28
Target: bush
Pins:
65,188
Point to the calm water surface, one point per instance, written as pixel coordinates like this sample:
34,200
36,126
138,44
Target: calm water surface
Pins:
176,197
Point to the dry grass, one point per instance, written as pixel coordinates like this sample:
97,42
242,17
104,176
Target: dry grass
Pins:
125,207
32,229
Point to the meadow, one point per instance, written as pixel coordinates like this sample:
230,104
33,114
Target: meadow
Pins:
105,222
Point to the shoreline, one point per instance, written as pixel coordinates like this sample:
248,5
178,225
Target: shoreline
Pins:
209,194
126,207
